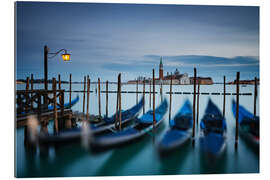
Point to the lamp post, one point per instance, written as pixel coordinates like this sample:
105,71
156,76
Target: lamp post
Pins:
65,57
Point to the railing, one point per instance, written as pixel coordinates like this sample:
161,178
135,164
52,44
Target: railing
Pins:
37,101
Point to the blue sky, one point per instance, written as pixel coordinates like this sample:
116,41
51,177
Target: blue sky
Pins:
105,39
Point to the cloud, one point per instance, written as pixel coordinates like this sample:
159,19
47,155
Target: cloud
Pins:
213,61
213,66
148,62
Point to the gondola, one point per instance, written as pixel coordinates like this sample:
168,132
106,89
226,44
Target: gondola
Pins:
66,105
213,128
142,126
107,125
248,125
180,130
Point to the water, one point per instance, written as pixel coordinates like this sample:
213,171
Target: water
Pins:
141,157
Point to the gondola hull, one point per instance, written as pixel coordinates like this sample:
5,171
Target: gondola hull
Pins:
75,134
246,120
213,132
249,138
119,139
174,139
180,131
213,144
141,127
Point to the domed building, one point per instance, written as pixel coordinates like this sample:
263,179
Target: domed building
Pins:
177,78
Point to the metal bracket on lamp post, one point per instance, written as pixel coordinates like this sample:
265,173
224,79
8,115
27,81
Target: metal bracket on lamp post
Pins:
65,56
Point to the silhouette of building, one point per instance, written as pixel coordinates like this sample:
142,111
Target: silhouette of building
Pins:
161,70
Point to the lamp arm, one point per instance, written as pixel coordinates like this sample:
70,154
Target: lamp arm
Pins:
55,54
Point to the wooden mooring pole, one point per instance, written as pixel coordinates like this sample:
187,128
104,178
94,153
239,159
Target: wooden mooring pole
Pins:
88,98
237,110
32,88
99,103
160,90
107,98
198,103
27,84
117,105
224,95
143,95
54,107
59,81
170,99
154,118
137,91
84,84
62,102
150,94
118,117
61,96
255,96
70,76
26,129
32,82
27,89
120,113
194,102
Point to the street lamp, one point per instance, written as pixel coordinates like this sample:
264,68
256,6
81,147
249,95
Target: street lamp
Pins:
65,57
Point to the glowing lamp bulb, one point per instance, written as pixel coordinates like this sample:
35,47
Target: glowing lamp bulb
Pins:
66,57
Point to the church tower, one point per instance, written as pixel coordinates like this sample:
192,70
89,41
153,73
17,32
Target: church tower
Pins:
160,69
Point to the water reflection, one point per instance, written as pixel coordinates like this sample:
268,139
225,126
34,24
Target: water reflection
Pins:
121,156
210,164
172,162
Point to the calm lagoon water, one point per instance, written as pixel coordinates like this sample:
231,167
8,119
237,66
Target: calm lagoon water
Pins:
141,157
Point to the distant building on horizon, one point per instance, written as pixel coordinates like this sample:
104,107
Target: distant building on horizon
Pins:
202,80
177,78
245,81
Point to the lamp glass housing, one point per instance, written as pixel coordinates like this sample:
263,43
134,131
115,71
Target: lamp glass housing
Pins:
66,57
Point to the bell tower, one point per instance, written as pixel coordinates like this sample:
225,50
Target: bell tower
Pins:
160,69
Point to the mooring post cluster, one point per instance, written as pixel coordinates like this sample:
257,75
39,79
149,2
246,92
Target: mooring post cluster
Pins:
60,120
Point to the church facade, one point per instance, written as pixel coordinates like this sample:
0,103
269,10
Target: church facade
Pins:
177,78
